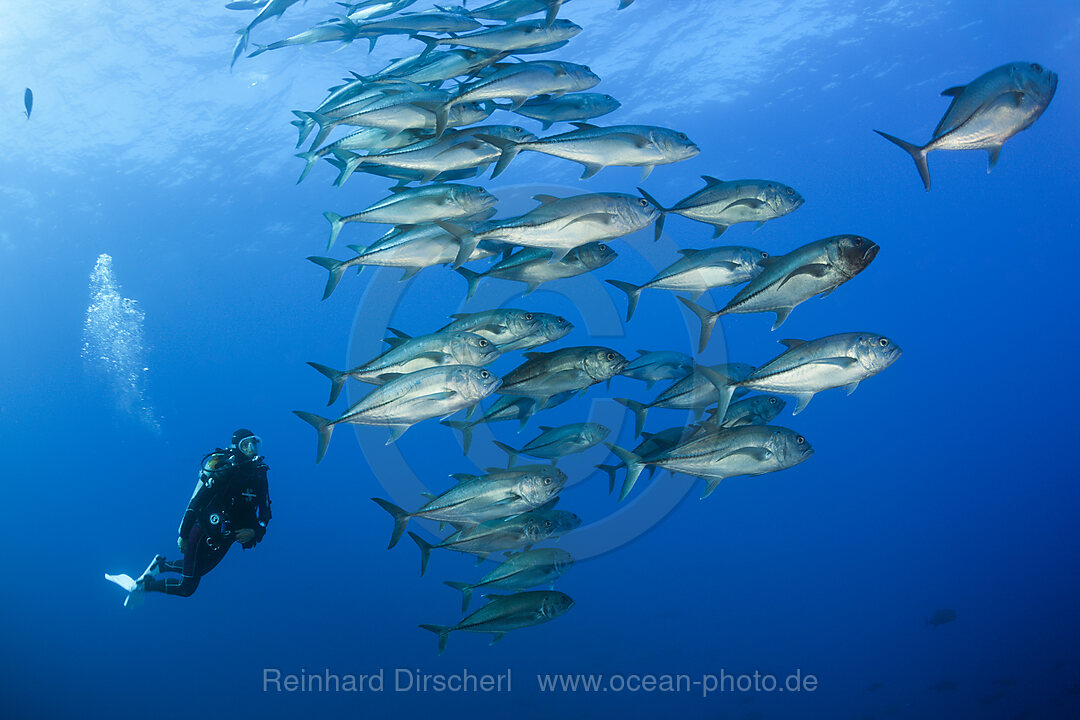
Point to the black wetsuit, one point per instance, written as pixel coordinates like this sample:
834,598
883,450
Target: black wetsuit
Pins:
225,501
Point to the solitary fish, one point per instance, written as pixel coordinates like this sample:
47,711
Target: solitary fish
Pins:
747,450
941,617
808,367
573,368
568,108
521,571
555,443
519,532
28,101
476,499
401,403
698,271
508,612
986,112
533,266
596,148
408,355
787,280
723,203
414,206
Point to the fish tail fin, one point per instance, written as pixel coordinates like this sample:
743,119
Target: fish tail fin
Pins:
336,223
442,117
304,124
324,427
466,592
466,429
310,157
663,213
633,293
326,126
708,320
723,387
442,631
241,45
336,268
401,519
425,550
472,277
610,470
430,44
509,150
634,466
918,154
337,380
639,411
346,162
511,452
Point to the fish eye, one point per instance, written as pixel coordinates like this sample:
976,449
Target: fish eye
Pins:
858,241
481,190
484,374
682,136
611,356
483,342
547,523
517,129
789,191
883,342
1037,67
772,401
643,202
800,439
547,481
764,255
528,316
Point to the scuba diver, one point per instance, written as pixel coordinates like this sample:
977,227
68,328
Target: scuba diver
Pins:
231,503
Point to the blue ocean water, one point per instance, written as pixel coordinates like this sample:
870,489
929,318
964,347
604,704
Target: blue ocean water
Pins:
945,482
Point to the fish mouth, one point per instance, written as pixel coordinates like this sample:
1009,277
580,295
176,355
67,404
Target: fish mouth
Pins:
870,253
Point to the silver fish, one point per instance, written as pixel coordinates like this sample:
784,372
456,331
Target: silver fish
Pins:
408,355
561,224
652,366
511,10
746,450
415,206
698,271
652,444
986,112
405,401
808,367
336,31
412,23
551,328
568,108
375,8
817,268
368,138
430,157
596,148
521,571
508,327
533,266
724,203
507,407
397,112
508,612
555,443
476,499
756,410
512,38
694,392
273,8
520,81
575,368
519,532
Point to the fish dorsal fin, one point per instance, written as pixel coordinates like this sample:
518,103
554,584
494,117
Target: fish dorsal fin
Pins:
643,352
646,435
493,596
584,126
954,91
545,199
687,252
546,428
769,261
709,179
534,355
399,188
462,477
792,344
399,333
495,469
395,342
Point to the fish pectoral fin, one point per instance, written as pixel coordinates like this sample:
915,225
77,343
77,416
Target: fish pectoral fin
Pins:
599,217
752,203
803,399
435,355
954,91
818,270
844,363
759,454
